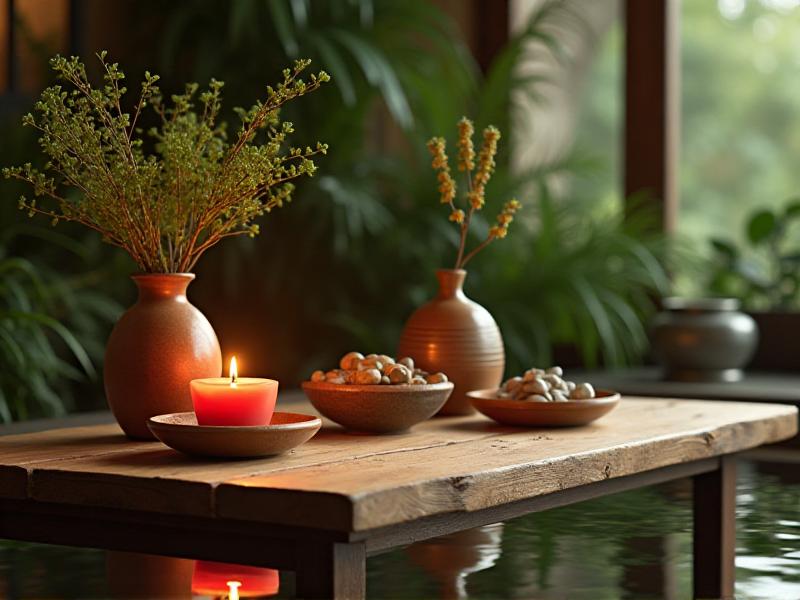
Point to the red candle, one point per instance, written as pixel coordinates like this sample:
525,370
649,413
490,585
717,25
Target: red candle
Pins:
234,400
220,579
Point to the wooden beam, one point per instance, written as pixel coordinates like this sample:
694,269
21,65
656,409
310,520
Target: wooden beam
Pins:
384,539
332,571
714,500
652,109
491,30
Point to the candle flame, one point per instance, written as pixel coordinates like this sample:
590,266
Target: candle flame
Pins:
233,371
233,586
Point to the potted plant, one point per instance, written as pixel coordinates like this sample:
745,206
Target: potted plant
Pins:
764,276
165,195
452,333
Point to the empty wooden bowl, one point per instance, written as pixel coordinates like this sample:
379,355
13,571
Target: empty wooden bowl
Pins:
543,414
286,431
377,408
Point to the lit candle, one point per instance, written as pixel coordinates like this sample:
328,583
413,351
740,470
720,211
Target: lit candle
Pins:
234,400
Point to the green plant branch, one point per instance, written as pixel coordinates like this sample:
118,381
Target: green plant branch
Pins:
166,208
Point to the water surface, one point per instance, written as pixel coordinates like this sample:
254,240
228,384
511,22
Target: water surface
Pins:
630,545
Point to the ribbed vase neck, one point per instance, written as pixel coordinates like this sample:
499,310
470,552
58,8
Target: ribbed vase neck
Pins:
451,283
160,286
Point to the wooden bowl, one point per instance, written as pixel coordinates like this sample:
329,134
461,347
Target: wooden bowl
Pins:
543,414
377,408
286,431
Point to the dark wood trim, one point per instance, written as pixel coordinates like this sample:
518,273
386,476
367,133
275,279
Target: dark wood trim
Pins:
652,107
332,571
77,28
491,30
384,539
714,502
240,542
12,68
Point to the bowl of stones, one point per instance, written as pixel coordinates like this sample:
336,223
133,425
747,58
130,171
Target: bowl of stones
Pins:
544,398
376,393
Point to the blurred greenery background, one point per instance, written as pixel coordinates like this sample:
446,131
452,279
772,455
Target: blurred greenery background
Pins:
344,265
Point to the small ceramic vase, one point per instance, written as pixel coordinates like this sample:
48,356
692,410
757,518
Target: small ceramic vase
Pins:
456,336
706,339
156,348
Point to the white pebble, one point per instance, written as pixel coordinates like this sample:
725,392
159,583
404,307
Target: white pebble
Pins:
436,378
370,362
399,374
583,391
367,377
537,386
407,361
350,360
555,371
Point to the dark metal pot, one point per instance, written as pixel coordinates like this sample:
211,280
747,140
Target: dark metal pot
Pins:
707,339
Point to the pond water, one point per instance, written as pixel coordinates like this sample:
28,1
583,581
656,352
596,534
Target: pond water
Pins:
631,545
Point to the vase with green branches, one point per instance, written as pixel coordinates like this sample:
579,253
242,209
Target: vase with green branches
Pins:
451,333
162,181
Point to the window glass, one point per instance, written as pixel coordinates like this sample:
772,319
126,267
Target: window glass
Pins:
740,118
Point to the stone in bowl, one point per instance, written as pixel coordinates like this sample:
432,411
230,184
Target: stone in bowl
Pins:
543,414
377,408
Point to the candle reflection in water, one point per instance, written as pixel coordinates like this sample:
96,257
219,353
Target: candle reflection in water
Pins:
134,576
233,581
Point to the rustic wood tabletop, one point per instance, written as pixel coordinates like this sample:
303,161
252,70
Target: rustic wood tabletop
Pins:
341,496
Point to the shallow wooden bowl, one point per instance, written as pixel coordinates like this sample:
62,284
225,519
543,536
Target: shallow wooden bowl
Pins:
286,431
377,408
543,414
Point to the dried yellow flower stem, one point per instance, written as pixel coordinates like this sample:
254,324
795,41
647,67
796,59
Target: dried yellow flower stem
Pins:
476,184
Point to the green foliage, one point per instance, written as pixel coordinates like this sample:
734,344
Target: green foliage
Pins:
763,274
371,248
44,322
167,207
739,111
585,280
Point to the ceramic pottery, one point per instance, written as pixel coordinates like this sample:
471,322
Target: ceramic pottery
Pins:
458,337
158,346
377,408
706,339
181,432
544,414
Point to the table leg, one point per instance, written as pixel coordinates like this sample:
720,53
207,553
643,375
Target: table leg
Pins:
714,501
332,571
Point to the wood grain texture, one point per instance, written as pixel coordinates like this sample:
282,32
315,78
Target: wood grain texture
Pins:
508,466
356,483
19,452
152,477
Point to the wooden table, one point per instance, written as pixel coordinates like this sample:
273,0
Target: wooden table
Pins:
323,508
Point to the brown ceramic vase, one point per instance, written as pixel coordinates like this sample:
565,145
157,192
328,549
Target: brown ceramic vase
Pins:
457,336
158,346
